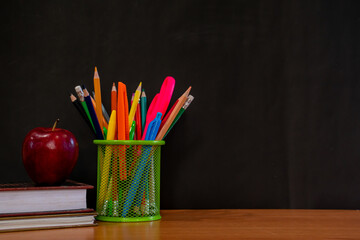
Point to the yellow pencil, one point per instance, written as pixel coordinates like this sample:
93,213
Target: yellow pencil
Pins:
105,170
112,125
173,114
98,99
115,162
134,104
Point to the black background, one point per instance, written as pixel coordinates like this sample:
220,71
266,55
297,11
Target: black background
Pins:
275,120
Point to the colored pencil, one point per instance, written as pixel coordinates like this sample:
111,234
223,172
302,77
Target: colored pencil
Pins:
132,98
115,154
168,114
105,170
137,187
81,110
132,131
112,124
104,205
172,116
138,122
134,103
81,98
105,124
97,90
113,97
105,132
98,131
143,110
104,112
114,104
189,99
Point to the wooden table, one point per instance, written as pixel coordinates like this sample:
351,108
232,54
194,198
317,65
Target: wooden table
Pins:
218,224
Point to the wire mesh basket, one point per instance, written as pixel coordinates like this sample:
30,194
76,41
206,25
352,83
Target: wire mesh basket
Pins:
128,180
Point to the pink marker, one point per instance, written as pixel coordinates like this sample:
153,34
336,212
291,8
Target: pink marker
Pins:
160,102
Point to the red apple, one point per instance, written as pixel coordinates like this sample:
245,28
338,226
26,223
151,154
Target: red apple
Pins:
49,154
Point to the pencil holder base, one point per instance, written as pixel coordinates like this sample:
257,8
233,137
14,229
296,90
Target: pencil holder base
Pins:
132,219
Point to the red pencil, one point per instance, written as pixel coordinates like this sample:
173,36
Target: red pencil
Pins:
138,122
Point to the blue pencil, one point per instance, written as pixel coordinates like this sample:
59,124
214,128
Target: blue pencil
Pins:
150,135
93,115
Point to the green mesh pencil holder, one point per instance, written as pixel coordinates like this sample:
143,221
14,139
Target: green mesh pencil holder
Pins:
128,180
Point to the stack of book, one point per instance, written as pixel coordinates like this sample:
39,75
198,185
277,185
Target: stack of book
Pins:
24,206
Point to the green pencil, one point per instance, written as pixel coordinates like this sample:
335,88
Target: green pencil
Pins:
80,94
81,110
105,132
189,99
132,130
143,110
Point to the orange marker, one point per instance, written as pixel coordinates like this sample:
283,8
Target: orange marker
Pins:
123,127
122,112
98,98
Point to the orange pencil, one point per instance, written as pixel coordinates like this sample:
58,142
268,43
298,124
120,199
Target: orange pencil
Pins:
98,98
113,97
173,114
168,114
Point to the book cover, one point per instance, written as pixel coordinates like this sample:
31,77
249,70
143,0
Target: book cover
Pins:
47,221
24,214
68,184
18,198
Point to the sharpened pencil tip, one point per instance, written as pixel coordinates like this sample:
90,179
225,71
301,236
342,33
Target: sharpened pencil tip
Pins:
72,97
86,93
187,91
139,87
113,88
96,74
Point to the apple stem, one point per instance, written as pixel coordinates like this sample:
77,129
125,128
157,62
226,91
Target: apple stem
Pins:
57,120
